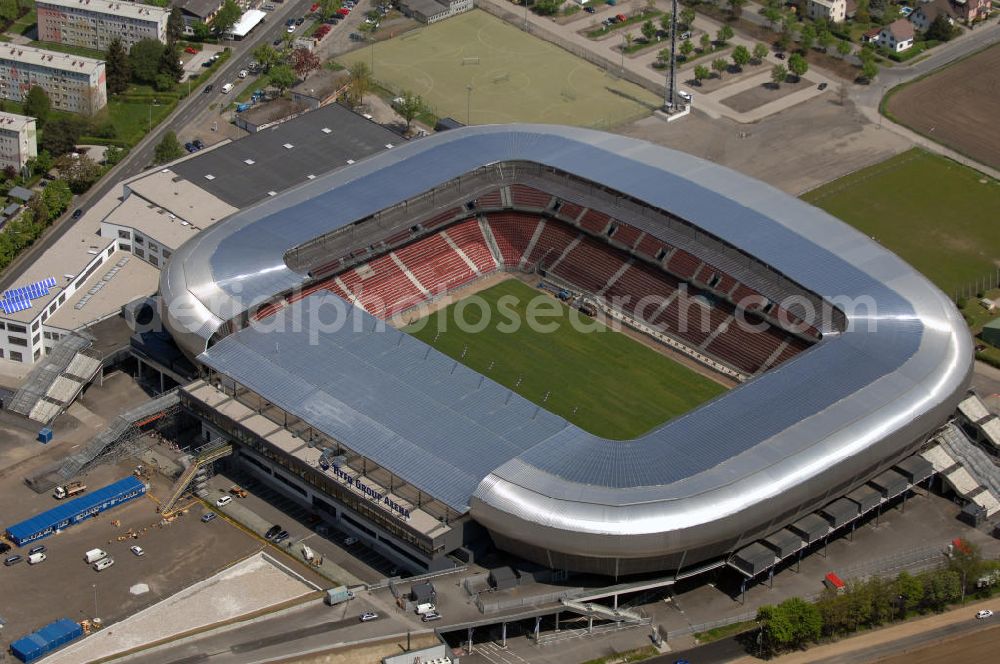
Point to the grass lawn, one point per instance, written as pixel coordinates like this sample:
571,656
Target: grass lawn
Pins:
601,380
519,78
938,215
131,120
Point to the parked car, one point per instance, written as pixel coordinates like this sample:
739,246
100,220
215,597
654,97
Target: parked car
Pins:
243,73
12,560
77,214
685,35
299,21
271,532
343,11
779,55
209,87
276,42
191,49
207,516
430,615
137,550
198,144
222,502
36,549
36,558
350,541
290,21
103,564
985,613
822,86
281,537
589,10
190,147
368,616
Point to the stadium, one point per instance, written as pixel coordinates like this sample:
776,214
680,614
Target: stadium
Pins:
844,359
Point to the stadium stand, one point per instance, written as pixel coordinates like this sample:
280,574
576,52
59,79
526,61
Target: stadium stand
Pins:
590,265
513,232
570,211
468,237
625,234
525,197
381,287
435,264
551,244
651,247
595,222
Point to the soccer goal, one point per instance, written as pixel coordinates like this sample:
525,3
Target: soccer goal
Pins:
470,61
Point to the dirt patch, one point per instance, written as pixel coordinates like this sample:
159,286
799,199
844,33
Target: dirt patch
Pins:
765,93
957,107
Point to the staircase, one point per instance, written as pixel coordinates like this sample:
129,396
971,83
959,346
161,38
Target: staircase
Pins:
196,473
605,612
491,242
978,463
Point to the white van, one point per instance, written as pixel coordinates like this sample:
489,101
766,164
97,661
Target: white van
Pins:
94,555
426,607
103,563
222,502
227,88
36,558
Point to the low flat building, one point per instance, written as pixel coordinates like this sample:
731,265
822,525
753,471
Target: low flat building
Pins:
72,82
96,23
320,88
18,140
432,11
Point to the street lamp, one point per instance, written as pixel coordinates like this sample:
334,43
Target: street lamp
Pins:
468,104
95,599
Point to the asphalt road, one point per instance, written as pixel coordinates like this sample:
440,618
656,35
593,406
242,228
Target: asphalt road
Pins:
141,155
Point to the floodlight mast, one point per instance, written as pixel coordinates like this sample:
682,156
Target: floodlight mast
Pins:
670,101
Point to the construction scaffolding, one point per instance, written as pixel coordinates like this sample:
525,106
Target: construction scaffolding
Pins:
122,439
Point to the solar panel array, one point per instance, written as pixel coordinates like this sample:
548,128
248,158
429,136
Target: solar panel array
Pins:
19,299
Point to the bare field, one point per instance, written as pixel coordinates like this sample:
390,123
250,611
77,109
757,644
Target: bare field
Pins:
957,106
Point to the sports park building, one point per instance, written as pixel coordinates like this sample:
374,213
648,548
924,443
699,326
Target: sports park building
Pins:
856,361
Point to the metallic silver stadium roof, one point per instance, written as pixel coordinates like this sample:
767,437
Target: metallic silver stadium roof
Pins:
818,422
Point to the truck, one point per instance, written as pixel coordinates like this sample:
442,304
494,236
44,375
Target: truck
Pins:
337,595
94,555
69,490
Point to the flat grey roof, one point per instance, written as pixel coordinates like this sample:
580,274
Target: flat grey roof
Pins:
277,168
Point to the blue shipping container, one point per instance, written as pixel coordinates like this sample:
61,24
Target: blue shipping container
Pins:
75,511
45,640
45,435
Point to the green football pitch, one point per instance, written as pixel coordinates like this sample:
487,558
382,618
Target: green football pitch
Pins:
936,214
601,380
514,77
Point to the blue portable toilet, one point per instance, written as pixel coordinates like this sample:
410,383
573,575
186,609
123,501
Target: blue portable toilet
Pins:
45,435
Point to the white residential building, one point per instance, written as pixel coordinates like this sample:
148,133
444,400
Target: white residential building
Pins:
833,10
96,23
73,83
18,140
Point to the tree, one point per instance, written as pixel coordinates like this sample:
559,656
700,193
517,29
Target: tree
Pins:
967,562
304,62
773,16
790,624
37,105
911,589
359,81
862,14
282,77
57,197
228,15
629,38
144,60
941,588
117,67
807,37
724,34
741,57
797,64
736,7
648,31
687,16
760,52
843,48
168,149
869,70
175,25
267,56
720,65
410,106
778,75
825,39
706,43
686,48
62,135
79,172
201,31
940,29
665,20
328,8
113,154
170,64
38,211
784,39
701,72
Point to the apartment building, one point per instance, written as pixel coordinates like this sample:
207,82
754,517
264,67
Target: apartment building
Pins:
73,83
96,23
18,140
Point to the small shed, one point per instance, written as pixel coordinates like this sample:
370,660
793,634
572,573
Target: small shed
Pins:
503,578
811,528
991,332
890,484
866,497
915,469
21,194
423,593
754,559
784,542
11,210
841,512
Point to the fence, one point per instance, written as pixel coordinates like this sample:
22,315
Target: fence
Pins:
493,605
980,285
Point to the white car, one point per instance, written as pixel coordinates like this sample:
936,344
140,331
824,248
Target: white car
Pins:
290,29
137,550
985,613
103,564
243,73
368,616
222,502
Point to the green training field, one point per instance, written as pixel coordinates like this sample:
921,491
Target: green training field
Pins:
599,379
939,216
518,78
